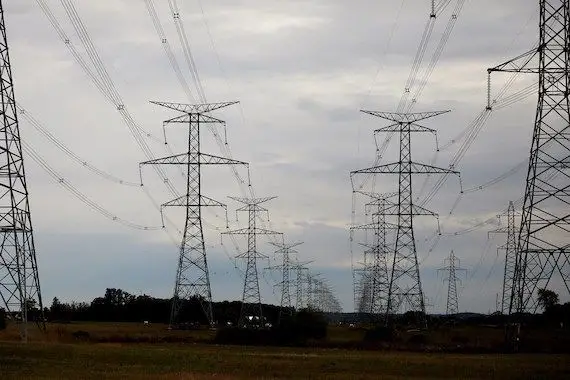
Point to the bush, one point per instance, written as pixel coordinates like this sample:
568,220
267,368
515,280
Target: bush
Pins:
307,325
292,331
380,334
2,319
459,339
81,335
420,339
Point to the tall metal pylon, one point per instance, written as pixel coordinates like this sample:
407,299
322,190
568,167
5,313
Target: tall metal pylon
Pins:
251,312
510,248
374,289
286,250
543,246
192,274
380,279
19,279
452,266
405,284
362,285
301,273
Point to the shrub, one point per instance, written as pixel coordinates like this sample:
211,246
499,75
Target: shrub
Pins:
81,335
295,330
459,339
308,325
418,339
380,334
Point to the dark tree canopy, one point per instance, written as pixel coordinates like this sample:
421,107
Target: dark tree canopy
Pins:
547,299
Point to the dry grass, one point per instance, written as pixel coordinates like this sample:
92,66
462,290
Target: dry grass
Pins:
141,361
108,332
59,355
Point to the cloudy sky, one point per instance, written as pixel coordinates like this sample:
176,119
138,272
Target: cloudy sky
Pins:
302,70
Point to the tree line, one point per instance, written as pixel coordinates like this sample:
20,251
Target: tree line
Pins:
117,305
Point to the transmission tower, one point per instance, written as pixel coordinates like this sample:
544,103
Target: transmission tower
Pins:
451,267
362,285
192,275
543,246
405,284
380,280
510,248
371,291
285,249
312,301
19,280
301,273
251,311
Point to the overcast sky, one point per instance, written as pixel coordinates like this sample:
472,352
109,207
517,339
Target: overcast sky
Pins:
302,70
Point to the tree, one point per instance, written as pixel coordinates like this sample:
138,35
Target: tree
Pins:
547,299
2,319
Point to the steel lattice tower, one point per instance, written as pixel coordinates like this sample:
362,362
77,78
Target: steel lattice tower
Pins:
192,275
362,285
19,279
251,299
301,273
405,284
543,247
380,280
452,267
510,248
285,249
374,290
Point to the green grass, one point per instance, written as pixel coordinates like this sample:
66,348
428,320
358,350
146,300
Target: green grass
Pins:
195,361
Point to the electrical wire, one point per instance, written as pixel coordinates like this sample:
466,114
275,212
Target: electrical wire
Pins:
58,178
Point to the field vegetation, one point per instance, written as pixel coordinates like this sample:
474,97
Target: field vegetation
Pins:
308,345
138,351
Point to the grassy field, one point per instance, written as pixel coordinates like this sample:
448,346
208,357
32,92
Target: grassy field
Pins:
113,361
58,355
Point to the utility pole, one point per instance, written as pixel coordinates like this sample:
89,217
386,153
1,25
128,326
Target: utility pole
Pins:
251,311
510,248
192,275
285,249
405,283
19,280
543,246
451,267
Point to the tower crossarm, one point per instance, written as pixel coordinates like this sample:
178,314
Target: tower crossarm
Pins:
252,201
194,118
377,196
518,64
256,231
395,209
251,254
405,127
193,159
374,226
208,159
395,168
286,248
194,108
404,117
193,201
